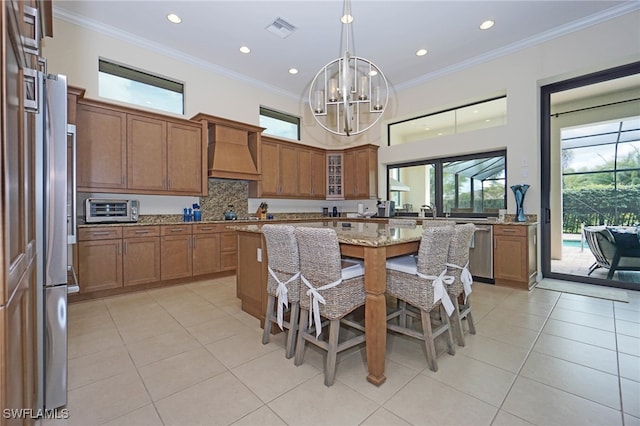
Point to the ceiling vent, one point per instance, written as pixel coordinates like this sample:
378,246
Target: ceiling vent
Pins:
281,28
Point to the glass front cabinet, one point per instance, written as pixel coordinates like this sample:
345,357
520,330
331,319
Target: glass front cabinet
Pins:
335,179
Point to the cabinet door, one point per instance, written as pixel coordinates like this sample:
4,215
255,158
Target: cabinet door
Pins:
270,168
362,174
318,174
228,251
141,260
305,188
206,253
349,173
100,265
101,148
184,159
146,153
176,257
288,168
510,258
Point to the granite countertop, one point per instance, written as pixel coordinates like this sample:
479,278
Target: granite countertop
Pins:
370,233
290,218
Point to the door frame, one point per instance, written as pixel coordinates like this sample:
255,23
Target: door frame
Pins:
545,163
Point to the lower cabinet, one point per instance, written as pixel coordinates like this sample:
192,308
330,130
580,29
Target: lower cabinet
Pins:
515,255
206,246
141,255
99,258
228,251
111,257
176,252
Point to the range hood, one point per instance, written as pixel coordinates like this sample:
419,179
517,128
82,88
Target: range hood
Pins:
233,149
396,185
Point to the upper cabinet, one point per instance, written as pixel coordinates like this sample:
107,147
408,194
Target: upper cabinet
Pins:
233,148
290,170
130,151
101,149
360,169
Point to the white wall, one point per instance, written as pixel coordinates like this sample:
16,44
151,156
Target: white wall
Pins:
74,51
520,76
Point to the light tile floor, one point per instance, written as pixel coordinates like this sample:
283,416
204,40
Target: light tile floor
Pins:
188,355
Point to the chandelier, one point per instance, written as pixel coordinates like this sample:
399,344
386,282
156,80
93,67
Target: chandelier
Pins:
349,94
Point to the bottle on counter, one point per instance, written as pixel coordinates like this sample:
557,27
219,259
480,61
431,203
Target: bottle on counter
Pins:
335,211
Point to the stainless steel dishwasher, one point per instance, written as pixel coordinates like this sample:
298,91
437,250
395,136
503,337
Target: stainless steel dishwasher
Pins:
481,253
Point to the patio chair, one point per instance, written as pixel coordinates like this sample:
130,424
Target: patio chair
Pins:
612,251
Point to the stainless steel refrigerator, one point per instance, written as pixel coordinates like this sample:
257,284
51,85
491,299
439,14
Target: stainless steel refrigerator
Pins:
55,230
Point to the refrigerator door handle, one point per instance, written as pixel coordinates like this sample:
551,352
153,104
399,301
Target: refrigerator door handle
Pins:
72,237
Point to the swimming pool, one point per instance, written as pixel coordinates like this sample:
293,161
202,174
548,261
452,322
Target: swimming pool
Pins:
572,243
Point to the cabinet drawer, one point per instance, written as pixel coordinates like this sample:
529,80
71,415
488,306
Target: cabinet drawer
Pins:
99,233
140,231
510,230
206,228
175,230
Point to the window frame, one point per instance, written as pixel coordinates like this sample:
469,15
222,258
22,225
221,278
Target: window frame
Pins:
144,77
438,179
280,116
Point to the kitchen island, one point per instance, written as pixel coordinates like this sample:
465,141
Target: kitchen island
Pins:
373,242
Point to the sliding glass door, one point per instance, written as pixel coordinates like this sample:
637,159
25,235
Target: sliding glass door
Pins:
591,178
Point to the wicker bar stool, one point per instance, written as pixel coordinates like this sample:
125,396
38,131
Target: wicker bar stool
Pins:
283,286
420,282
458,267
333,287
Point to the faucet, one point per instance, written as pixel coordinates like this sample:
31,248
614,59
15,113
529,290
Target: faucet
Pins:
432,207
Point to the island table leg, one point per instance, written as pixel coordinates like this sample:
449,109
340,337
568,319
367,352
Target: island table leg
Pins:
375,282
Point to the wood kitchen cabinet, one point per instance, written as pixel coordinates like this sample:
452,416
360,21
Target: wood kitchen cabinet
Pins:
101,135
360,169
141,255
228,251
311,173
206,249
99,258
290,170
515,255
146,153
176,252
335,176
130,151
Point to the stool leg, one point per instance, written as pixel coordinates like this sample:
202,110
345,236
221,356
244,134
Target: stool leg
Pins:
293,329
428,341
332,352
302,330
456,322
472,327
268,319
451,349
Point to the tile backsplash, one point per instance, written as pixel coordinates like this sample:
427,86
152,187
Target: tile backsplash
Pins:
223,192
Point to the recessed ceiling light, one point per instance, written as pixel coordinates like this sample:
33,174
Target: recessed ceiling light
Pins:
346,19
245,49
427,128
172,17
487,24
293,71
421,52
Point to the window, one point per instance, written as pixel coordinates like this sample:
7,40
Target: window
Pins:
480,115
465,186
601,173
279,124
121,83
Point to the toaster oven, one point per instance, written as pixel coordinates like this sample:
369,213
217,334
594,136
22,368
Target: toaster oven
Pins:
102,210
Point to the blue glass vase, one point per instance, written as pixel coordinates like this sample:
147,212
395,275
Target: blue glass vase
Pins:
519,191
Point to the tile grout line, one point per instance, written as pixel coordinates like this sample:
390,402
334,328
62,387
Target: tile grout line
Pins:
525,361
615,330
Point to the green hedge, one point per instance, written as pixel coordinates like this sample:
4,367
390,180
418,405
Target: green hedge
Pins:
600,205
